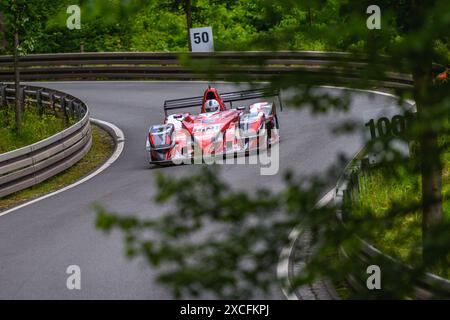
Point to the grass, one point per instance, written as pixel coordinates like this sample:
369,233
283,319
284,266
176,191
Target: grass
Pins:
35,127
102,148
399,236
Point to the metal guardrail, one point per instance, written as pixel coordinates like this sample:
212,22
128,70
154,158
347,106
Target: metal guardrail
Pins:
166,65
427,286
30,165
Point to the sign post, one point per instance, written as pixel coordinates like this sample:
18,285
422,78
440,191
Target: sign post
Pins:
201,39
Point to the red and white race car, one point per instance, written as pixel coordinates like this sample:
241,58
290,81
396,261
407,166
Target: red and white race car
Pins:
218,131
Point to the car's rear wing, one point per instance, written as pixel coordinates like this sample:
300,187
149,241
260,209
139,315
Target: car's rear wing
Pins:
226,97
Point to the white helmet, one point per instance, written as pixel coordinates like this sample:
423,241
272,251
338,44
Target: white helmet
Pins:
211,105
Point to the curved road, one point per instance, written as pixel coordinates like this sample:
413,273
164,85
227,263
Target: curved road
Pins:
38,242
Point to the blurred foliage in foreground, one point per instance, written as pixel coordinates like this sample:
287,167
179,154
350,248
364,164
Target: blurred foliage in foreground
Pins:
239,252
238,257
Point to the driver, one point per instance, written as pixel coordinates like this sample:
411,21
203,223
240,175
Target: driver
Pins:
212,105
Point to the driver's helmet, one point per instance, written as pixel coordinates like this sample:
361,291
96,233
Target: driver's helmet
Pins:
211,105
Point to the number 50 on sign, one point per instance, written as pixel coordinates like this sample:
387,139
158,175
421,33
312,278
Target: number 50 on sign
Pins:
201,39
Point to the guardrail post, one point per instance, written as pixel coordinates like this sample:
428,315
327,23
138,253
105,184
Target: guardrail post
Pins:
76,107
70,107
22,98
3,96
64,110
39,102
82,110
51,98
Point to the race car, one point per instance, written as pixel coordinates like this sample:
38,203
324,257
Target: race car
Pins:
218,131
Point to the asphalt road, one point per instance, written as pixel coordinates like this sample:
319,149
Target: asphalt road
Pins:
38,242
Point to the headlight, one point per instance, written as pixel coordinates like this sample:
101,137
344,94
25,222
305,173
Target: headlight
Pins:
160,136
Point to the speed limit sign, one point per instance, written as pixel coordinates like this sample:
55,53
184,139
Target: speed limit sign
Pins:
201,39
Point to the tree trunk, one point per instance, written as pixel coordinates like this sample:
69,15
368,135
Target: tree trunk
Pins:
431,167
17,100
188,10
310,19
2,34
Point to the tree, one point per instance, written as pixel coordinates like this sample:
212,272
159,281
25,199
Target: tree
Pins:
309,6
16,12
186,7
20,16
188,10
431,167
417,50
24,22
17,9
2,33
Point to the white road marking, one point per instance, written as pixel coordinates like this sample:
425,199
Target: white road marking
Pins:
381,93
120,138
